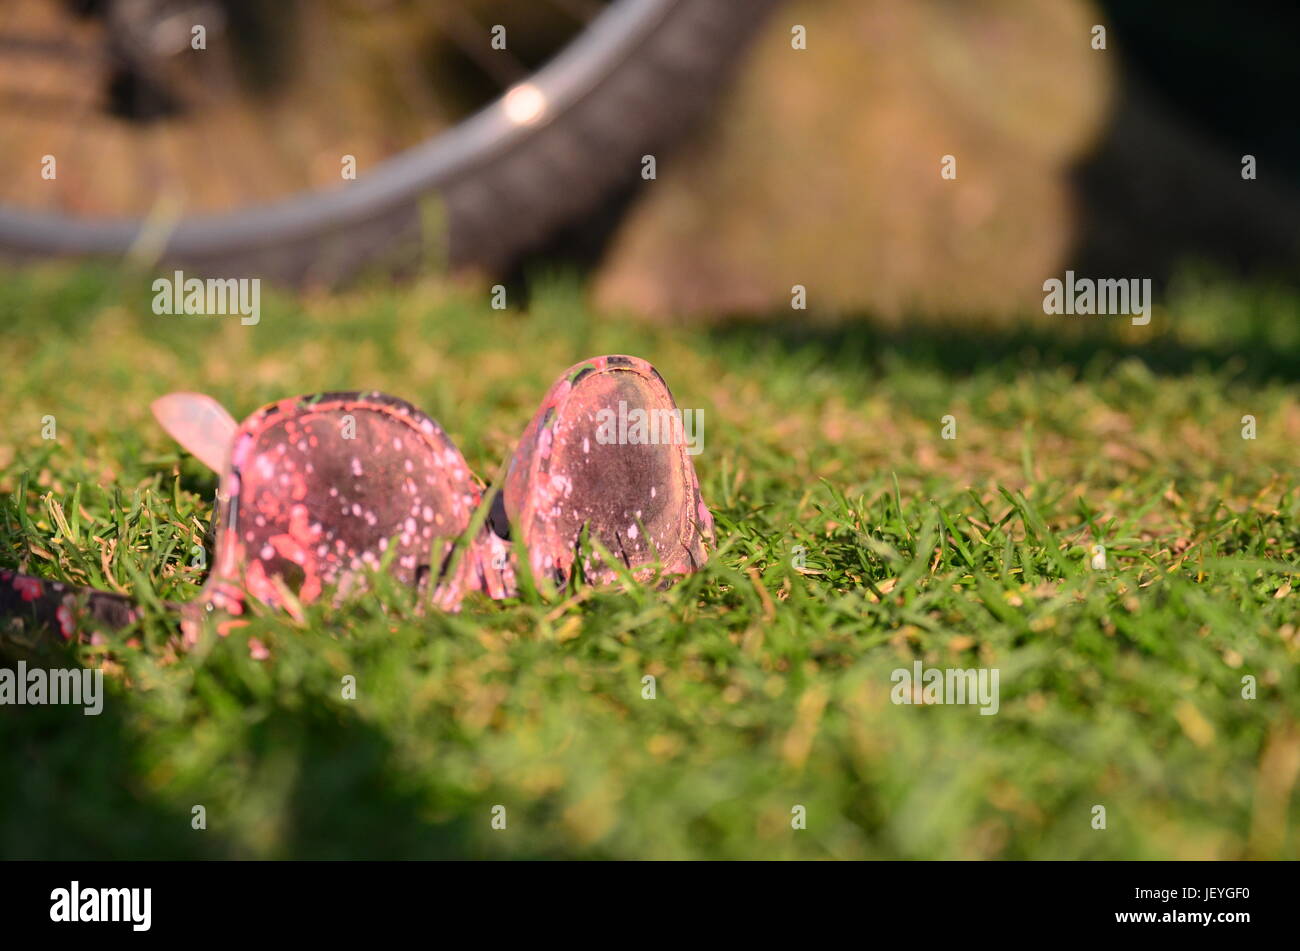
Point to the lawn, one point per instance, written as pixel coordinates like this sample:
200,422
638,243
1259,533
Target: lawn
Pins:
853,540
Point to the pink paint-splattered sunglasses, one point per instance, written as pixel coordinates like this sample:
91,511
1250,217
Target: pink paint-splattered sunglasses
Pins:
317,490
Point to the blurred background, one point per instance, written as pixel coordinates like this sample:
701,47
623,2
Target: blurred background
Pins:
774,165
793,143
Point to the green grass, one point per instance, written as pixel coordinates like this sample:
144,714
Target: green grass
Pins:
1120,688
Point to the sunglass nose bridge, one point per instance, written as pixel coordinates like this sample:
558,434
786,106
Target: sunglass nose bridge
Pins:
498,519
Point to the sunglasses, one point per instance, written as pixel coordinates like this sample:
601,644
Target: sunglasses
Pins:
318,491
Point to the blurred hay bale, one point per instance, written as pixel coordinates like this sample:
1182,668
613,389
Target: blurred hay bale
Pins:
824,166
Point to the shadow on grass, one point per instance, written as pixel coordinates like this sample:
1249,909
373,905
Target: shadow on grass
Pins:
71,787
77,787
1252,354
349,800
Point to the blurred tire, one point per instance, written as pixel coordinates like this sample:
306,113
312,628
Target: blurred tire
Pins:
482,195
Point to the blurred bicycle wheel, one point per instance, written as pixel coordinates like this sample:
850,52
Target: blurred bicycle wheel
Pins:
308,142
